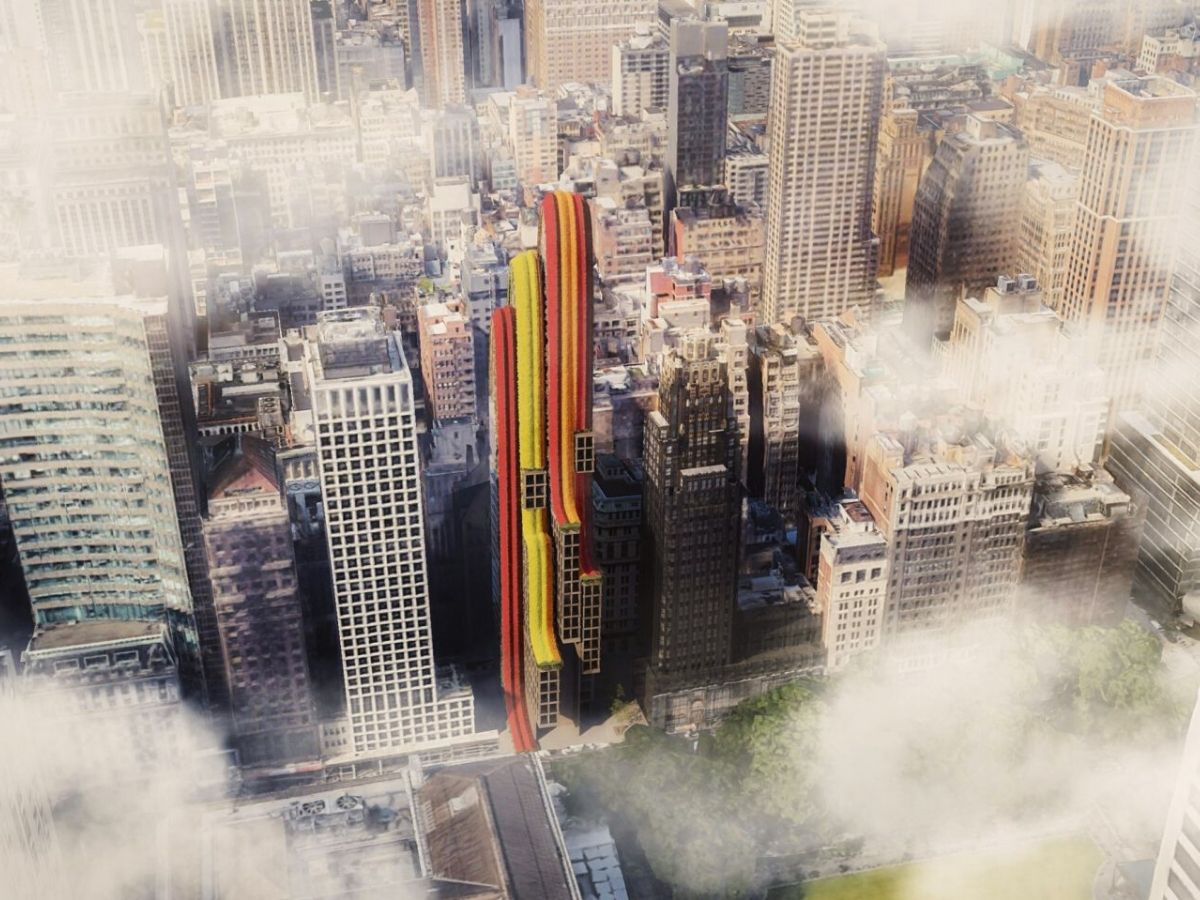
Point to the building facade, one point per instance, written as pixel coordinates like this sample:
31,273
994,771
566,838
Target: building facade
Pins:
693,514
826,92
248,540
965,222
568,42
363,410
1140,145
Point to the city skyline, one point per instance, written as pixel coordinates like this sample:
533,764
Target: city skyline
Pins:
645,448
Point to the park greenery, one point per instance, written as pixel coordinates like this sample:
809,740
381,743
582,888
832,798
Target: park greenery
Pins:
706,810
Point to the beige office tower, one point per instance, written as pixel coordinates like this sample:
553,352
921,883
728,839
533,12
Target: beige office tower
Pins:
1047,220
826,93
363,408
1177,870
952,505
269,45
1055,122
566,40
110,172
442,65
899,162
1139,152
192,51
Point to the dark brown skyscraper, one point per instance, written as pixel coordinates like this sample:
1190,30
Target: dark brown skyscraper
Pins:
693,507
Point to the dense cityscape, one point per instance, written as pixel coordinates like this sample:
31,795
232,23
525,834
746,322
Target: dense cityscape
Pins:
563,450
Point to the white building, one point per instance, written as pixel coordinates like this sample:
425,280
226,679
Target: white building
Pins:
1177,872
1011,356
640,73
851,584
363,407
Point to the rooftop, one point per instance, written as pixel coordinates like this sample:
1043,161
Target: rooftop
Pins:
90,632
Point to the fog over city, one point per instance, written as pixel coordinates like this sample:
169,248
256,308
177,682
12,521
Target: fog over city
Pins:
548,450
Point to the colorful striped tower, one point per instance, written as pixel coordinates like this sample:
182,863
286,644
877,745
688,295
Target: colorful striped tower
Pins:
541,383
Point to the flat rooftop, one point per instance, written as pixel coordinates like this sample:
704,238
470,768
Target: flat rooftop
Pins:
93,631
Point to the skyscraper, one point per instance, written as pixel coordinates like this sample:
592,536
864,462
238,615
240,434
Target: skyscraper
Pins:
569,41
442,64
1177,870
1155,453
826,91
899,163
550,587
697,106
85,467
192,27
91,45
363,408
692,516
965,222
1047,217
266,47
248,539
1139,149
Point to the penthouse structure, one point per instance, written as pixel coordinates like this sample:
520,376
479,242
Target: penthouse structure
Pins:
363,411
549,584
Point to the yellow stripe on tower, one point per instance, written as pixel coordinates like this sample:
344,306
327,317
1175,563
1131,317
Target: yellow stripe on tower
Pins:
526,293
568,342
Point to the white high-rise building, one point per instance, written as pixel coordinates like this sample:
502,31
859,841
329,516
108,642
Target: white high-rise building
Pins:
268,47
90,45
826,93
192,51
363,410
1177,872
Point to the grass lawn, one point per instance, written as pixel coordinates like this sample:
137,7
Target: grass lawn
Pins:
1055,870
